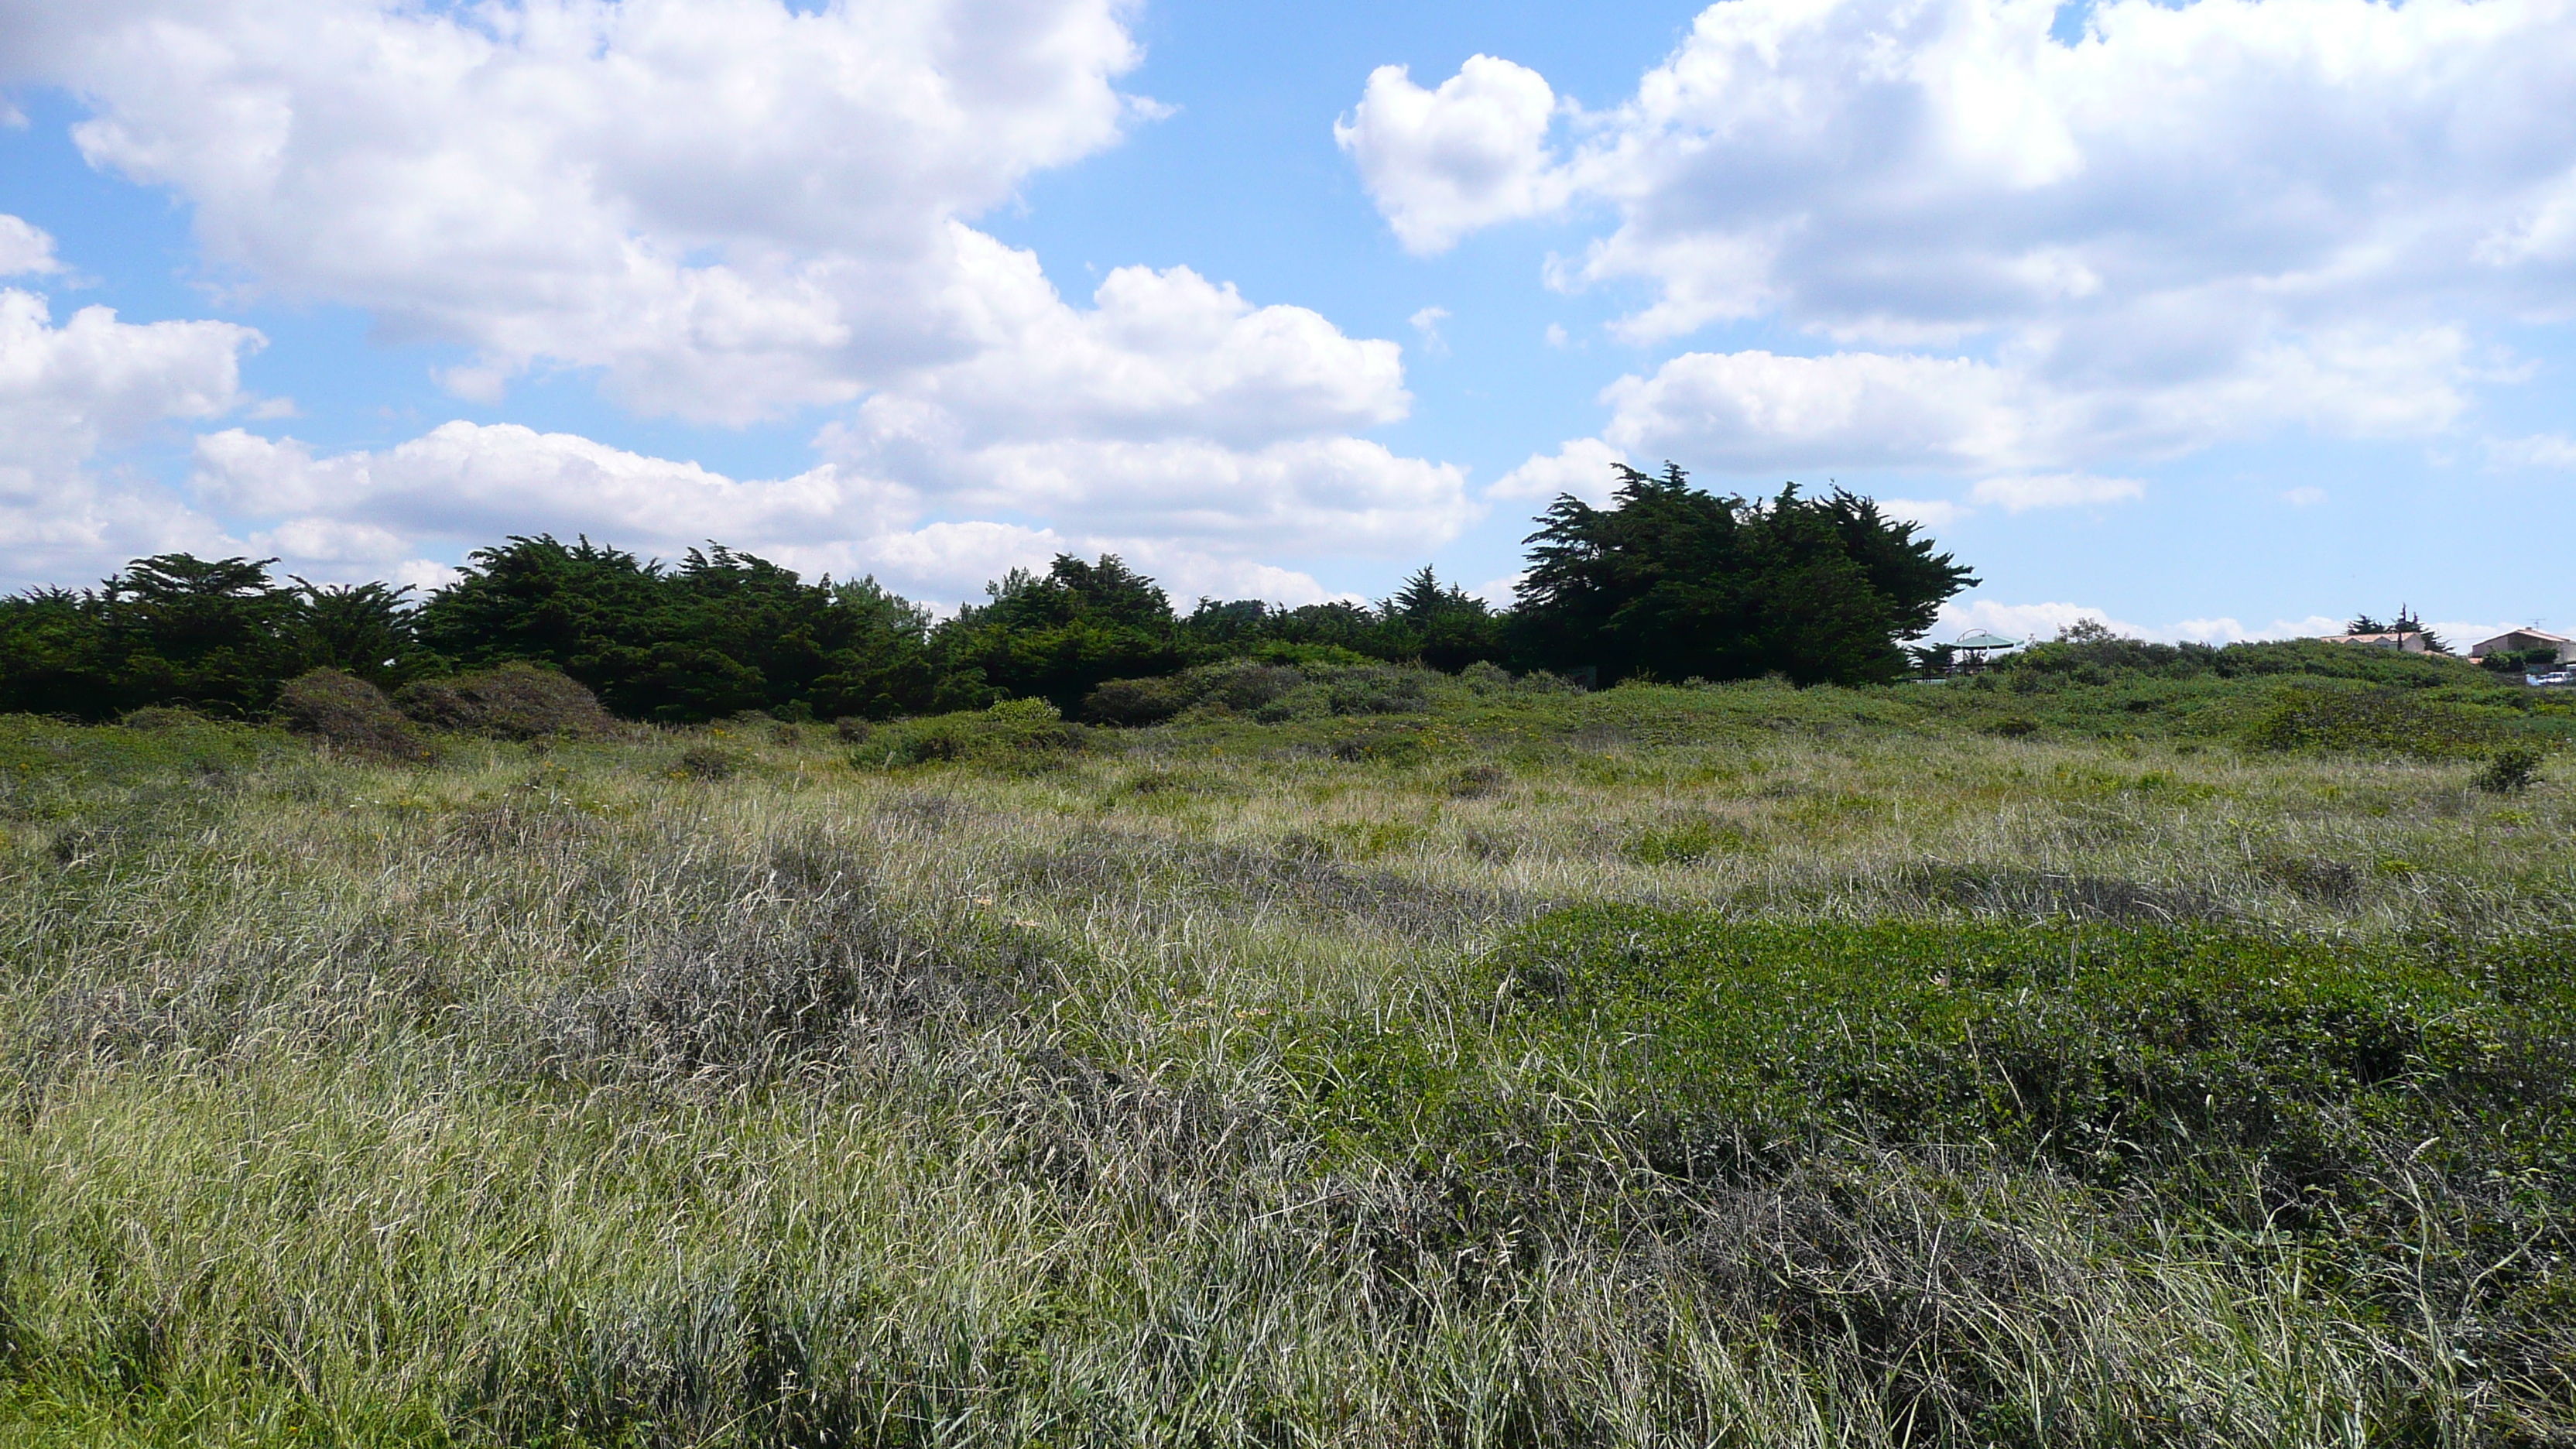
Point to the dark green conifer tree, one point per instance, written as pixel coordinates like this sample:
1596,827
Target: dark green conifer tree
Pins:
1672,582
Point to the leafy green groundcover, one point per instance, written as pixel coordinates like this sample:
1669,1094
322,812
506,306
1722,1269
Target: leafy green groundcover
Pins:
2399,1119
2104,1051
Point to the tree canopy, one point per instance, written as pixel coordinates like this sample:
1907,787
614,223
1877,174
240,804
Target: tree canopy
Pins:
1670,582
218,634
721,633
1673,582
1059,635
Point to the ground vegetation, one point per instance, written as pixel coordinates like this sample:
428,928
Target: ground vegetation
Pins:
1357,1054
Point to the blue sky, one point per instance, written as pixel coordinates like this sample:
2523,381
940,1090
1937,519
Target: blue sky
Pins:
2213,320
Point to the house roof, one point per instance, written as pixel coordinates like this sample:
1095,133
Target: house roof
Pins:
2542,635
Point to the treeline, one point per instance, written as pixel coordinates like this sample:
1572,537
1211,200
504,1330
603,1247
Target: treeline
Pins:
1669,582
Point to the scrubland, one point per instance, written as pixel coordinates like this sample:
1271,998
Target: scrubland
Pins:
1446,1061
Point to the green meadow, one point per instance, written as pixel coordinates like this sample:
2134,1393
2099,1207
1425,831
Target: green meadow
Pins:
2102,1053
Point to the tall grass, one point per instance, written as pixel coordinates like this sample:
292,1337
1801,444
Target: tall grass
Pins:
1167,1087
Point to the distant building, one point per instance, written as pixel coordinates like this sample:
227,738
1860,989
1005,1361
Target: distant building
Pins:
2412,641
2523,641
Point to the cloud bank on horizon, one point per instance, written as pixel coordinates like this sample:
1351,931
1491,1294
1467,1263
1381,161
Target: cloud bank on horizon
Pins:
2016,270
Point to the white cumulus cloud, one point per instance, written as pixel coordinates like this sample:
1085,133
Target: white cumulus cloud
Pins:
730,207
2022,621
1202,512
25,249
1759,412
1584,467
471,482
1158,353
92,383
2196,223
1931,513
1443,163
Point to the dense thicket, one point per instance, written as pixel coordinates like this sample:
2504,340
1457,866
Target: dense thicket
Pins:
1670,582
220,635
721,633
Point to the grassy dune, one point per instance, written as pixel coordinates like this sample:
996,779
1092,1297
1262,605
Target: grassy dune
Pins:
1670,1065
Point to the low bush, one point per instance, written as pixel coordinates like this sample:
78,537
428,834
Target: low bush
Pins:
512,701
1306,701
1014,734
1539,681
1380,745
2172,1057
709,762
1133,702
2519,661
160,717
2511,772
351,715
1474,782
1687,843
1379,689
1246,684
2376,720
1243,685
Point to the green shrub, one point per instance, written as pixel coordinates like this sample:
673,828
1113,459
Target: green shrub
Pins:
1474,782
1308,701
1383,745
155,717
709,762
1132,702
1271,693
2518,661
1016,733
351,715
2367,720
1379,689
2109,1052
1540,681
1246,684
1688,843
172,749
511,701
1243,685
2511,772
